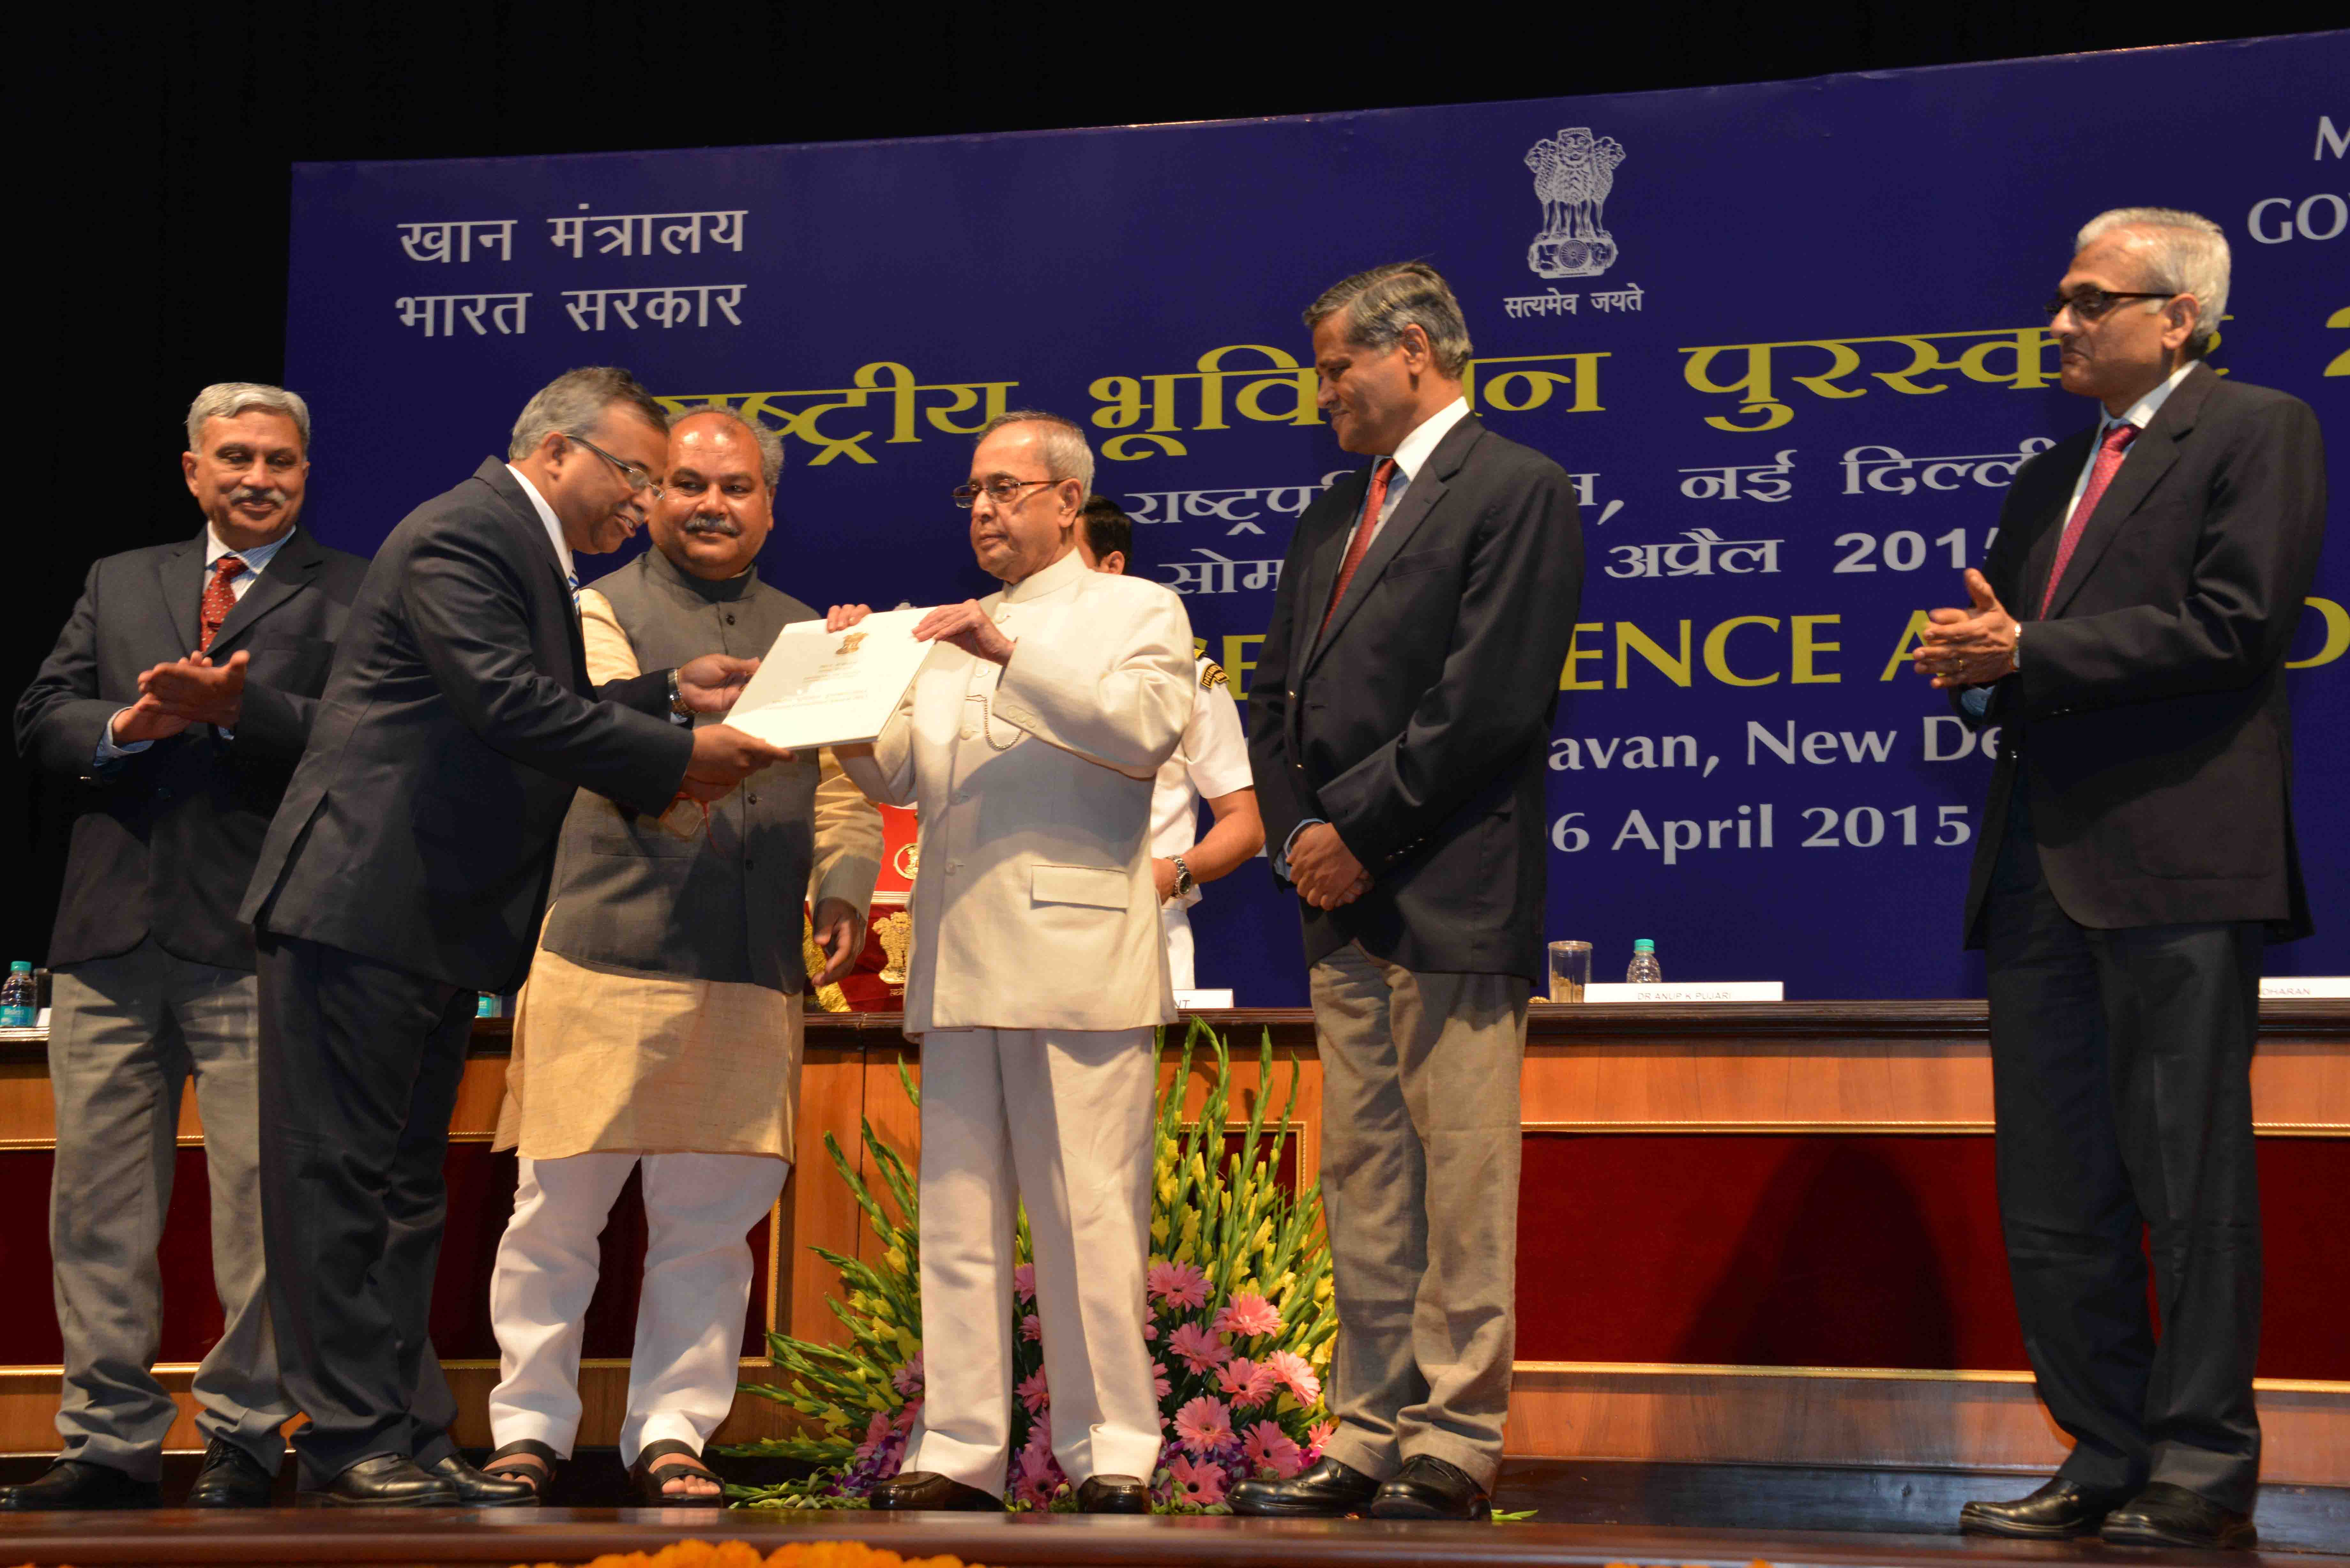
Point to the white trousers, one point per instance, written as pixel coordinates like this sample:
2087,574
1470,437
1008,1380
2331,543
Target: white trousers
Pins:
699,1211
1178,927
1060,1119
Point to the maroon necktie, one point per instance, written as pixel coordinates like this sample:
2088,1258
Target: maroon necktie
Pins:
2100,474
1361,544
218,600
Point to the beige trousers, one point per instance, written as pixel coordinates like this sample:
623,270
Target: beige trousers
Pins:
1421,1144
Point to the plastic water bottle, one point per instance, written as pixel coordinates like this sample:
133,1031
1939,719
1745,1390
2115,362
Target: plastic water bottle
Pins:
1644,969
487,1004
19,998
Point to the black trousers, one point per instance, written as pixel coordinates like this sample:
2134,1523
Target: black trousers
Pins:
359,1065
2122,1083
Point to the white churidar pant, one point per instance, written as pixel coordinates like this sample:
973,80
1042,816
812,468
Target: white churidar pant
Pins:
699,1211
1060,1119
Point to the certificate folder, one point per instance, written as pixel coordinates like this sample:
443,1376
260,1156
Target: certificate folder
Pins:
818,688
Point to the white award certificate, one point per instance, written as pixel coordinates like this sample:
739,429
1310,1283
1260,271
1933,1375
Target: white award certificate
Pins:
818,688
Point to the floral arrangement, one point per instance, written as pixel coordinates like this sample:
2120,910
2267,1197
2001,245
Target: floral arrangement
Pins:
1240,1325
743,1554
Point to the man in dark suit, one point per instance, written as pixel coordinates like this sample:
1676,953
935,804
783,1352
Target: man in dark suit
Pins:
179,695
407,871
2129,632
1397,728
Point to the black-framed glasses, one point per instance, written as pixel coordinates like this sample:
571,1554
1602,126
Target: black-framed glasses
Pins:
2091,304
1001,491
636,478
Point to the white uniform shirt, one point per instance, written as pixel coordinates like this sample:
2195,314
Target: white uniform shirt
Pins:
1211,760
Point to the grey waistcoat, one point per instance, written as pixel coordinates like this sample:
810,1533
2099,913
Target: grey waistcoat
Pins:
724,904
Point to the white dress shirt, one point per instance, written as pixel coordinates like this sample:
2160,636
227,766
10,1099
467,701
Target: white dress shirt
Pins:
547,520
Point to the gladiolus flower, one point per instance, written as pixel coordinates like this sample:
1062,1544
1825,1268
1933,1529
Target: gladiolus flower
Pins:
1247,1315
1204,1425
907,1379
1271,1448
1197,1347
876,1432
1201,1483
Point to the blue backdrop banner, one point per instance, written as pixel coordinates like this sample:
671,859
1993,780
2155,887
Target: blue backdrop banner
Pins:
1787,338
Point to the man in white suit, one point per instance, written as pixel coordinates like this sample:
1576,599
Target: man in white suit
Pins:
1029,743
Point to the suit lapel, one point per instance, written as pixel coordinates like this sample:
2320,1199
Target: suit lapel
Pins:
2150,457
180,579
2063,467
537,547
287,574
1322,565
1419,499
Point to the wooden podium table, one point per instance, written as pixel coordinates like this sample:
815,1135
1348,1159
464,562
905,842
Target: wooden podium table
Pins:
1748,1232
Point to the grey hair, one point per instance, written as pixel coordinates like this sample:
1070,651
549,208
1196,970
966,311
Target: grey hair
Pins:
1380,303
2184,253
226,399
769,443
1066,452
573,404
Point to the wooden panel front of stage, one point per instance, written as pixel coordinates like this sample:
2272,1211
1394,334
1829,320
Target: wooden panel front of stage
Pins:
1757,1234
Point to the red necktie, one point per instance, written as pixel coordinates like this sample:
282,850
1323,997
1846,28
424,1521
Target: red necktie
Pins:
1361,544
2100,474
218,599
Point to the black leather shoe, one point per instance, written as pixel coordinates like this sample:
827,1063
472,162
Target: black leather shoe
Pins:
1327,1491
77,1483
1113,1494
230,1479
1428,1487
2059,1510
2168,1515
910,1490
476,1490
383,1480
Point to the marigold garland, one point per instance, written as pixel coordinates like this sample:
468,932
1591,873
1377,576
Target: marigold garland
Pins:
743,1554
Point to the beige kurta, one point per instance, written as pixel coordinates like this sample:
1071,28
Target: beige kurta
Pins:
614,1060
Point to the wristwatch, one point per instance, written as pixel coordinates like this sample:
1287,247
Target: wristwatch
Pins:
1184,881
677,708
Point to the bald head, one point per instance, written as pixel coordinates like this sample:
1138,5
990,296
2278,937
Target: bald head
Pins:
718,504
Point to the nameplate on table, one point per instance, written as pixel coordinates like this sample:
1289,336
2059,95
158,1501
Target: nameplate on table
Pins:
1204,1001
2293,987
818,688
1690,990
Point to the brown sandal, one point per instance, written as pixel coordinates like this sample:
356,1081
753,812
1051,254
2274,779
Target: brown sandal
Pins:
539,1480
645,1483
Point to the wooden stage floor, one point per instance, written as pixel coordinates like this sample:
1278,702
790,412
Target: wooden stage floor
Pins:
419,1537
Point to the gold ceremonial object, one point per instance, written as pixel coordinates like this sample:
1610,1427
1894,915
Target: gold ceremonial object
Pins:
897,933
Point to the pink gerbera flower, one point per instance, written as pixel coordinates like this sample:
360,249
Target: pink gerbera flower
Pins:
1035,1478
1034,1394
1245,1383
1204,1425
1294,1372
1182,1286
1024,1282
1201,1483
1159,1384
1198,1346
1271,1448
1031,1328
908,1415
1247,1315
1317,1438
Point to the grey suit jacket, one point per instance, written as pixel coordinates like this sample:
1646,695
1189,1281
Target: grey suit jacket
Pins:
164,841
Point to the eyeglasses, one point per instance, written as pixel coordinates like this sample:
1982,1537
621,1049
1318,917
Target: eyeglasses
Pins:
2091,304
1001,491
636,478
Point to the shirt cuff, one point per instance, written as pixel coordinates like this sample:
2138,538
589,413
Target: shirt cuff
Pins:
1281,860
1975,701
107,752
